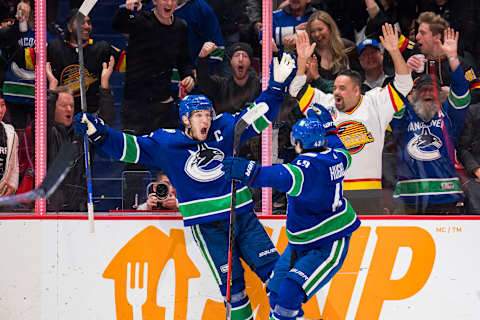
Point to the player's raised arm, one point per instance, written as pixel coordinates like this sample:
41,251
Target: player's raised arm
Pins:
281,74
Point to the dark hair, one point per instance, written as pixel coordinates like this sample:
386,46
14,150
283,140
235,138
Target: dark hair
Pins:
72,14
352,74
160,173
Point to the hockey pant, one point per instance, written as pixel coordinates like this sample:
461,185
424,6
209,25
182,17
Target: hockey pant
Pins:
252,244
298,275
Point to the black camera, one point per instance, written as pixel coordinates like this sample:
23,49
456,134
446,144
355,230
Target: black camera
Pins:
161,191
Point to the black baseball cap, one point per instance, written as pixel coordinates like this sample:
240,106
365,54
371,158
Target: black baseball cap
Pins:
240,46
425,79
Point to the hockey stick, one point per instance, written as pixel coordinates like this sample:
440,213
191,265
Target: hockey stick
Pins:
245,121
84,10
59,168
86,7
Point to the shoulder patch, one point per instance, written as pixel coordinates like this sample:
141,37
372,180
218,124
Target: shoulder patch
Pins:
470,75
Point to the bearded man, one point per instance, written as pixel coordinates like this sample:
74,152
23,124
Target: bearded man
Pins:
426,130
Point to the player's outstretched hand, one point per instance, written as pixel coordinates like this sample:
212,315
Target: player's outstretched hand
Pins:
317,111
91,126
240,169
282,73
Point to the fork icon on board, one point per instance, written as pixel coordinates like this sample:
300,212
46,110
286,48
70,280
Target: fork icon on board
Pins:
137,296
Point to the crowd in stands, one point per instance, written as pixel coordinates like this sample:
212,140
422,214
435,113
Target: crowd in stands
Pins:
407,108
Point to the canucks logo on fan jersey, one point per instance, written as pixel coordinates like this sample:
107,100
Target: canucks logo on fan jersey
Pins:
205,164
425,146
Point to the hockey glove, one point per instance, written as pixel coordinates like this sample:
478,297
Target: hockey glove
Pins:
282,73
91,126
240,169
317,111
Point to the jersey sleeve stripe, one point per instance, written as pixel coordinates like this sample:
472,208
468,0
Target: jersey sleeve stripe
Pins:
475,85
306,99
347,155
122,63
218,54
459,102
397,115
402,43
297,176
30,59
260,124
131,151
397,102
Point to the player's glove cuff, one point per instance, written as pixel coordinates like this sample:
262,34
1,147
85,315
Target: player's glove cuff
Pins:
240,169
317,111
88,125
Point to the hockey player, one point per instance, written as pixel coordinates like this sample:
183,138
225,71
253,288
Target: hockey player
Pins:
320,220
192,161
361,119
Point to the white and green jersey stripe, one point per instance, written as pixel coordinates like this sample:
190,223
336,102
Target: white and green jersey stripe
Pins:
425,187
131,150
297,176
459,101
211,206
261,123
334,224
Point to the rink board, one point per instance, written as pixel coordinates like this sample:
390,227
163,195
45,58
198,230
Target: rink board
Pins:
396,268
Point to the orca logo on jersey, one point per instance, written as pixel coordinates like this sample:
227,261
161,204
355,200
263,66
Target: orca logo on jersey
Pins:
425,146
205,164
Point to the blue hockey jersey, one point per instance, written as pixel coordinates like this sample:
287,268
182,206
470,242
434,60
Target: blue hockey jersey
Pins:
19,84
193,166
317,212
284,22
426,172
203,26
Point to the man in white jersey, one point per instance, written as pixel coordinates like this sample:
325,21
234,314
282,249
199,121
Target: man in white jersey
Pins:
361,119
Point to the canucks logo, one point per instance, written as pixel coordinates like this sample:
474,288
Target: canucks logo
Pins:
424,146
354,135
205,164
